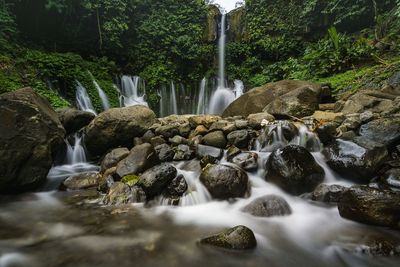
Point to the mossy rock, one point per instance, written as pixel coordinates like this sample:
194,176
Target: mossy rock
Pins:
130,180
236,238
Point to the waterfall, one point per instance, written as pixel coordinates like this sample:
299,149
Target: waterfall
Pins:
202,100
130,89
221,51
75,151
103,97
239,88
173,99
83,101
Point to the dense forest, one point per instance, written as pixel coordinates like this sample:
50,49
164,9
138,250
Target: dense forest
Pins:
52,43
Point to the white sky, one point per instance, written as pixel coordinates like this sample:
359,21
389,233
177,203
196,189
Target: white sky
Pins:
227,4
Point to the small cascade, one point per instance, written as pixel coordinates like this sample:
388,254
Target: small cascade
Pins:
75,151
132,91
173,99
238,89
221,98
103,97
83,101
202,102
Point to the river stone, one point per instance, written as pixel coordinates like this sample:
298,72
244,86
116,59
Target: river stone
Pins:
391,178
256,120
81,181
177,187
202,151
155,180
157,140
237,238
215,139
240,138
358,160
205,120
367,101
294,170
225,181
246,160
183,152
371,206
385,131
200,130
140,159
258,98
327,193
178,140
326,132
30,136
268,206
111,159
298,103
165,152
168,131
117,127
73,120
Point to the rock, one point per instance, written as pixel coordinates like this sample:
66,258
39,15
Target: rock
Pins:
268,206
119,194
165,153
241,124
156,179
73,120
117,127
168,131
224,182
327,107
106,180
178,140
385,131
183,152
326,132
223,125
358,160
255,120
298,103
257,99
391,178
285,131
200,130
237,238
177,187
366,116
202,151
205,120
232,152
184,129
366,101
371,206
247,161
112,158
139,160
240,138
146,138
215,139
157,140
81,181
327,193
30,137
329,117
207,160
294,170
349,135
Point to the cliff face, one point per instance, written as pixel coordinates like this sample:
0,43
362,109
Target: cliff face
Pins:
237,27
213,19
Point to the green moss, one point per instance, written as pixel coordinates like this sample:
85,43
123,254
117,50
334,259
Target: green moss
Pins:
130,180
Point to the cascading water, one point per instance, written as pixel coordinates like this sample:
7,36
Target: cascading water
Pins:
202,102
221,52
103,97
173,102
83,101
131,87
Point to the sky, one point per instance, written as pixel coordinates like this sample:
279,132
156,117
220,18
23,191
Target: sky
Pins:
227,4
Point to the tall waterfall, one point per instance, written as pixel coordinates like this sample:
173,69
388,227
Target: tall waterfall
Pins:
83,101
221,53
132,91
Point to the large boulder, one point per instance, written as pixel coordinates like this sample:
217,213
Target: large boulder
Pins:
385,131
30,136
73,120
140,158
258,98
369,101
117,127
371,206
358,160
215,139
237,238
155,180
81,181
225,181
268,206
294,169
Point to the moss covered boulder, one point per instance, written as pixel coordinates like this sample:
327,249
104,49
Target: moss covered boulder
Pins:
237,238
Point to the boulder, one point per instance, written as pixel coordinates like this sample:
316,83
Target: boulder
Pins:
385,131
237,238
155,180
391,178
165,152
258,98
140,159
117,127
215,139
111,159
81,181
177,187
368,101
73,120
239,138
268,206
327,193
246,160
358,160
294,170
326,132
183,152
203,151
168,131
371,206
225,181
30,136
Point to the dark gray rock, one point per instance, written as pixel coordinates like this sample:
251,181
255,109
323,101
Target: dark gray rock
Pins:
202,151
183,152
112,158
247,161
385,131
237,238
155,180
327,193
177,187
165,152
240,138
168,131
73,120
326,132
268,206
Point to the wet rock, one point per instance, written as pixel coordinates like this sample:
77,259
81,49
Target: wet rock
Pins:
232,152
255,120
240,138
119,194
106,180
268,206
247,161
165,152
385,131
277,134
215,139
327,193
294,170
177,187
117,127
224,182
30,137
156,179
391,178
358,160
237,238
157,140
183,152
73,120
112,158
139,159
326,132
371,206
207,160
202,151
81,181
